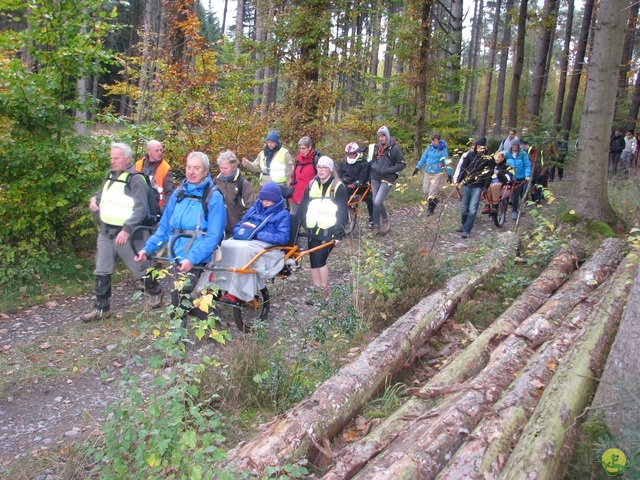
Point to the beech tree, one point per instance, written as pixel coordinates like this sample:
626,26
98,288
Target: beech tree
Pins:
589,193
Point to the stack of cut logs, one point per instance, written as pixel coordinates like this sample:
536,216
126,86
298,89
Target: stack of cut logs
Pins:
507,406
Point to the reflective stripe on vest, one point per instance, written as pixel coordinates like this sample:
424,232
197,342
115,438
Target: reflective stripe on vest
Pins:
322,211
277,168
116,207
161,173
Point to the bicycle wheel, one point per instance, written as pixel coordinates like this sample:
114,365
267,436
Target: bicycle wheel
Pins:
500,216
246,314
351,222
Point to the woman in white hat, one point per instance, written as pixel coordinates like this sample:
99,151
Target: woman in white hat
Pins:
324,214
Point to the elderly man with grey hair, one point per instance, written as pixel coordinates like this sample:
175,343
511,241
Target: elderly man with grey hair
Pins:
120,205
158,170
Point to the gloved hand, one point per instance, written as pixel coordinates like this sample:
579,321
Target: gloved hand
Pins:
415,172
449,179
351,186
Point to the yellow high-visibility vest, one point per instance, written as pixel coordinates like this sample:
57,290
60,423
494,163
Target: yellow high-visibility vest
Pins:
116,207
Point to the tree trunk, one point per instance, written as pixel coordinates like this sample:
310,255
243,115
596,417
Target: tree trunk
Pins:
547,68
627,51
475,357
475,53
334,402
375,44
389,53
589,189
539,66
237,41
564,66
572,94
454,53
470,58
635,106
224,18
492,441
482,129
547,441
518,65
423,67
502,75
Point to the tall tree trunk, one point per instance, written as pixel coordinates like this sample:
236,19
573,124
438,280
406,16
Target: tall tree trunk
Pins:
375,44
389,54
475,53
564,66
539,67
502,75
239,28
470,57
224,18
482,129
518,65
547,69
627,51
589,193
423,66
635,106
574,85
454,53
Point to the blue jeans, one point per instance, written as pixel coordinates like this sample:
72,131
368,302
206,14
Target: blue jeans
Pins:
379,191
469,208
517,194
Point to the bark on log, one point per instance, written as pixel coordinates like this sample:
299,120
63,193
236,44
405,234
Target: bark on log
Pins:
474,357
548,437
334,402
620,385
425,449
490,444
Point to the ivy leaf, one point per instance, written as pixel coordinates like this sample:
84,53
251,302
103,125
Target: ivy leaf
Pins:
189,438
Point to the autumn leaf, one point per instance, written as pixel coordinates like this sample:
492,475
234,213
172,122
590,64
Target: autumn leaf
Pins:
350,436
58,352
537,384
551,365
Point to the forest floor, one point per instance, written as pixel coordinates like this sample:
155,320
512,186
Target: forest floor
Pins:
57,374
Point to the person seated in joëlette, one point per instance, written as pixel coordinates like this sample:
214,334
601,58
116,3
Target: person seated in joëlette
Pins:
266,223
502,175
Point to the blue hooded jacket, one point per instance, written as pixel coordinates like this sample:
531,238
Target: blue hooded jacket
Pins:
188,214
432,159
276,230
520,163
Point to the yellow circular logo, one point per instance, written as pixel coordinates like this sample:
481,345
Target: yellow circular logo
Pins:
614,461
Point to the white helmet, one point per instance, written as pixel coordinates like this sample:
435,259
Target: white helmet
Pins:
353,149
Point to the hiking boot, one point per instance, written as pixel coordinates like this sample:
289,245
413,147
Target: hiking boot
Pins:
429,213
385,226
460,229
155,301
465,235
94,314
375,229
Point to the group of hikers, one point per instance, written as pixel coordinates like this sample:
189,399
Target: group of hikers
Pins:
202,213
623,150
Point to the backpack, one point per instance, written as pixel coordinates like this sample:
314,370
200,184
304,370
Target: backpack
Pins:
152,216
204,199
316,157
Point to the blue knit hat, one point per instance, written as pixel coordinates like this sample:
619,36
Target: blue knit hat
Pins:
273,136
270,191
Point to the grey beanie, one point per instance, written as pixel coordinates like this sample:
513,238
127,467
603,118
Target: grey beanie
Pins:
385,131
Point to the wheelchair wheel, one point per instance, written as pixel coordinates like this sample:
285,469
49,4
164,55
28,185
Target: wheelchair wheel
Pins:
246,314
351,222
501,214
